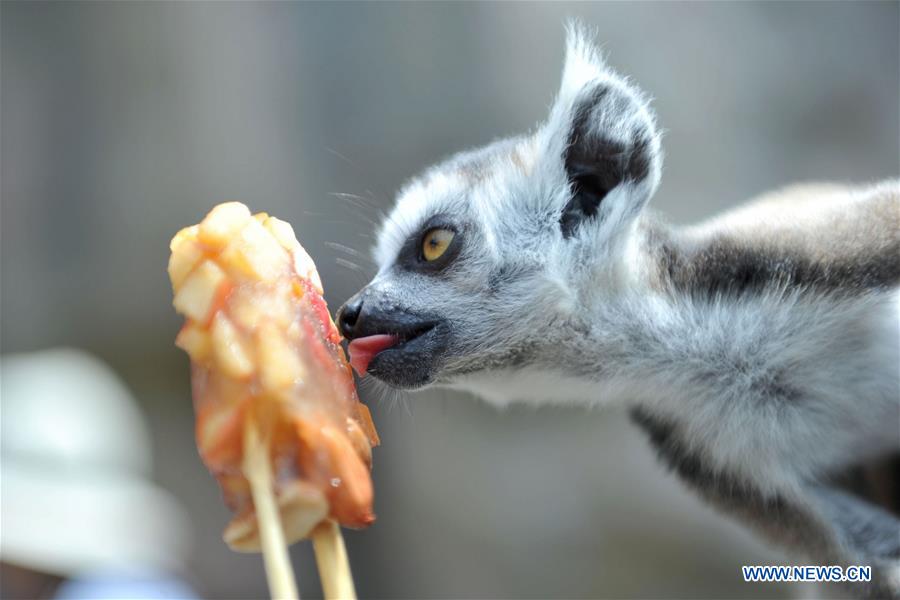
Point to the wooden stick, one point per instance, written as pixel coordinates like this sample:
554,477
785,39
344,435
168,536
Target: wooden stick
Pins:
258,471
331,558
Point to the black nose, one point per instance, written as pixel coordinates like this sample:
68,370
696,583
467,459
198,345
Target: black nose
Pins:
348,316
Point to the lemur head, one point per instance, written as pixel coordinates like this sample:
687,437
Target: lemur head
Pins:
489,257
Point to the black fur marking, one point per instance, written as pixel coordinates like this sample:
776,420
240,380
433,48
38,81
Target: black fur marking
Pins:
877,481
674,451
724,267
828,524
594,162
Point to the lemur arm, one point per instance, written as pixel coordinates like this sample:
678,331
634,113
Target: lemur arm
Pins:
864,530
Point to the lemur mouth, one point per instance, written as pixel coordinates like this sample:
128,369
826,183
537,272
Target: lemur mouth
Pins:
364,350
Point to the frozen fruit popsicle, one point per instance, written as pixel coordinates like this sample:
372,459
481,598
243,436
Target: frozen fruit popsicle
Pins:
264,350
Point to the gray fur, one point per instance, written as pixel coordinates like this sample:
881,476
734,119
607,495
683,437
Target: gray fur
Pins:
759,350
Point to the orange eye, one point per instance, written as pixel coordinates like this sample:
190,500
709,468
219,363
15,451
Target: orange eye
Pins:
435,243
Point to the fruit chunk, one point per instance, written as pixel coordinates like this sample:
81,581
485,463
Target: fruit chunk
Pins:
219,432
279,365
231,355
222,222
282,231
306,268
349,491
194,340
248,313
195,297
183,260
184,234
360,441
302,507
254,253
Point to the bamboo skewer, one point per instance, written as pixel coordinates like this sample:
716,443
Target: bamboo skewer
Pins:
280,575
331,558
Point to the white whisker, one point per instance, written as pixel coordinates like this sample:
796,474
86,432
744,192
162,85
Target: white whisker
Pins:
346,263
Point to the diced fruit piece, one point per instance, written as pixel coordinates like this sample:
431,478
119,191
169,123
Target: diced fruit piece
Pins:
195,297
222,222
364,418
279,364
230,352
194,340
294,331
254,253
184,258
283,232
219,434
248,311
183,235
360,441
328,451
306,268
302,507
242,534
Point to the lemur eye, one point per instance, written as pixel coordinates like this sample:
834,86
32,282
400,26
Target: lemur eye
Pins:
435,242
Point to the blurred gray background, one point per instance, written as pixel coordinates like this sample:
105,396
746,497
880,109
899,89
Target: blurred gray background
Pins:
122,122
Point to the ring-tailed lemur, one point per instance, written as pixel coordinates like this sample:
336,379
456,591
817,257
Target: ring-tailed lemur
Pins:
759,350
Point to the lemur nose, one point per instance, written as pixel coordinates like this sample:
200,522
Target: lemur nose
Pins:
348,316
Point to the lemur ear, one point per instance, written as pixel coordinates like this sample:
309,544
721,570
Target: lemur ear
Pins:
602,137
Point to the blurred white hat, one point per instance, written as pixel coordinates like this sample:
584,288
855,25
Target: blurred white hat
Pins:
76,494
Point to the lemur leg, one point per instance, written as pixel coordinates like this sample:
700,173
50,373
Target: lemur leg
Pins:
866,534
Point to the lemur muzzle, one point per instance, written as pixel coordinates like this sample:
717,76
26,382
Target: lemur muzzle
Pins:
372,328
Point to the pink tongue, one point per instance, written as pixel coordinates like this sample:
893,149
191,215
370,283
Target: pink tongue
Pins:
363,350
